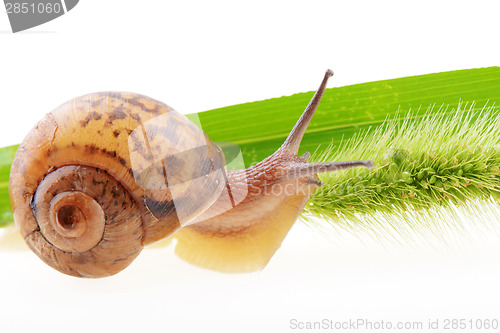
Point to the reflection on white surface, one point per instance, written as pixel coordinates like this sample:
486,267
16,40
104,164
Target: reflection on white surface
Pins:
310,278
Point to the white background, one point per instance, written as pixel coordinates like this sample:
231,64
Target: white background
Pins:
201,55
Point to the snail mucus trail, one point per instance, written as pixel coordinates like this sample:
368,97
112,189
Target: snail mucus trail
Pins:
106,174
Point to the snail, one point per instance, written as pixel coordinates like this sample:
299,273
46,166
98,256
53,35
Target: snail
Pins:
105,174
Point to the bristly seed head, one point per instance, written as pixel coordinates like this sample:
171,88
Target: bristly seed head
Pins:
427,166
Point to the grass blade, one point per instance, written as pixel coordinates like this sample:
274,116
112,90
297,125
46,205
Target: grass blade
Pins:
260,127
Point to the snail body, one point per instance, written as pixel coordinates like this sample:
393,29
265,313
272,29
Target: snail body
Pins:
106,174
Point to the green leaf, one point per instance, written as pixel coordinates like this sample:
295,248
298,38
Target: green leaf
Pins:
6,157
260,127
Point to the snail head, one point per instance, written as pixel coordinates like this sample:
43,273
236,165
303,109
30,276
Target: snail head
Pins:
260,204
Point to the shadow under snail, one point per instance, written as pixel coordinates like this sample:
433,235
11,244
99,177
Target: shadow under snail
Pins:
106,174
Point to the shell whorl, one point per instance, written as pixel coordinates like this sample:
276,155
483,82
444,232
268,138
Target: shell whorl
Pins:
89,224
89,187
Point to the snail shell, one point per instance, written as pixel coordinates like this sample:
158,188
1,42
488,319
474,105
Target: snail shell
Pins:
90,185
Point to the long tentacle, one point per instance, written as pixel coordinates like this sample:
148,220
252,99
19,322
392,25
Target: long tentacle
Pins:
293,140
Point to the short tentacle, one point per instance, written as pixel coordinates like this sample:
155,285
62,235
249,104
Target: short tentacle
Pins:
309,169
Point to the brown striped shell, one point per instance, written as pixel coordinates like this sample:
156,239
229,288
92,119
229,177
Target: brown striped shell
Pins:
107,173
